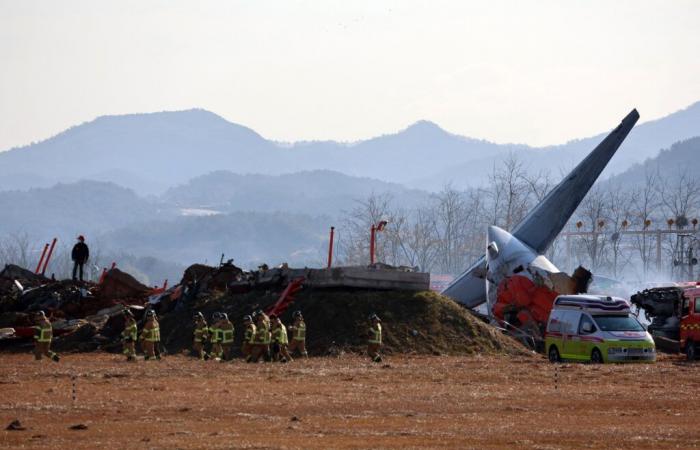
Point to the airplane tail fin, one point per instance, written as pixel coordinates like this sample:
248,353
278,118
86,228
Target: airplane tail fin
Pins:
542,225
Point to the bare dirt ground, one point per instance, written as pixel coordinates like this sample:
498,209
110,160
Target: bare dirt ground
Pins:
347,402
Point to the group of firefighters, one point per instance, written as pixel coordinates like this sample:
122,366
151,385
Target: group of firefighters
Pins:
265,337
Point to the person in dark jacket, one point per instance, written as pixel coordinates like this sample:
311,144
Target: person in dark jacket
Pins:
80,255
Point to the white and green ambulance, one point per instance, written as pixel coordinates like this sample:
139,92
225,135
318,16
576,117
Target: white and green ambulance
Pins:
597,329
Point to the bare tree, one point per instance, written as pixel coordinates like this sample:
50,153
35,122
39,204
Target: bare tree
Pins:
509,192
354,235
16,249
416,238
645,206
451,217
619,207
591,211
679,195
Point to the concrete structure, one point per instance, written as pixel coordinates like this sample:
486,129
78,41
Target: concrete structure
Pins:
360,277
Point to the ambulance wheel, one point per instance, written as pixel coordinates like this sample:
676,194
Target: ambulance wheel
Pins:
554,354
596,356
690,351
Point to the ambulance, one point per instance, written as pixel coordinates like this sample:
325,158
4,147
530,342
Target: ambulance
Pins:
596,329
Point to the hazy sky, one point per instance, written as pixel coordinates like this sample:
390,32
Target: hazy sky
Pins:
537,72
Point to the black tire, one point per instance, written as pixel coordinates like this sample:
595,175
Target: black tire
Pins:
596,356
553,354
690,351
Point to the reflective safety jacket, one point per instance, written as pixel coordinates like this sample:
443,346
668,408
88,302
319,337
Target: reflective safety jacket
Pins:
262,336
279,335
298,331
43,332
130,330
151,332
200,331
249,334
226,332
215,333
375,334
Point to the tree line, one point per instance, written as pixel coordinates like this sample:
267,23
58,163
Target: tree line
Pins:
447,233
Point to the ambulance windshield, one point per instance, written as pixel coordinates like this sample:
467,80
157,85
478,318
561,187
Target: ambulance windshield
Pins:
617,323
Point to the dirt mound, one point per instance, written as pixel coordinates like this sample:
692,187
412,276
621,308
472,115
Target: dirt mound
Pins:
413,322
120,285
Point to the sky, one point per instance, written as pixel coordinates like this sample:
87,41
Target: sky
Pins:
537,72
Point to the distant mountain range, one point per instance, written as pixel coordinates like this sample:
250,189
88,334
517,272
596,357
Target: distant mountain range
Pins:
670,164
163,190
312,192
254,218
151,153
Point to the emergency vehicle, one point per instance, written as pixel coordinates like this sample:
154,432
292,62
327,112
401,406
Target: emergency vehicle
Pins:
674,313
597,329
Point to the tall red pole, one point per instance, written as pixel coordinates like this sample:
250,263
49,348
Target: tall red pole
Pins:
372,238
48,257
330,248
41,260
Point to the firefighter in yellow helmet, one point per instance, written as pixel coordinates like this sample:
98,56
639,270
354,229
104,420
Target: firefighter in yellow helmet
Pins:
374,341
279,340
248,337
43,333
201,332
150,336
227,331
261,341
268,334
129,335
215,333
297,330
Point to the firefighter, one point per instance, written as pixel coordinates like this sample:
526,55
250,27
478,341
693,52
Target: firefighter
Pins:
298,331
201,332
261,340
248,337
267,335
150,336
79,255
129,335
226,329
265,318
374,341
279,340
215,336
43,333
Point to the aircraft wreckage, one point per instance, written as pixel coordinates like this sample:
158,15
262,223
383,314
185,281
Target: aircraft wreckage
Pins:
514,278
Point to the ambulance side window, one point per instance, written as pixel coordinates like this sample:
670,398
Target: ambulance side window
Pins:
697,305
569,322
686,307
586,325
555,323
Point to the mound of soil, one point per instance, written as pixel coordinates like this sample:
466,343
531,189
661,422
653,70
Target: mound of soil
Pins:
337,320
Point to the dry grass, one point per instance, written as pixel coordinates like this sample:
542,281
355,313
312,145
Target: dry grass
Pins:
409,402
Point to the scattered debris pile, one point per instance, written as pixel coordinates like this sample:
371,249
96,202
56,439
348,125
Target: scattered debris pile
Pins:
87,316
